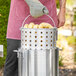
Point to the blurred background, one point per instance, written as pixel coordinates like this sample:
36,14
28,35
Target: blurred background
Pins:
66,37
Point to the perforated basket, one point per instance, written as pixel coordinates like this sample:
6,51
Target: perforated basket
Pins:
38,38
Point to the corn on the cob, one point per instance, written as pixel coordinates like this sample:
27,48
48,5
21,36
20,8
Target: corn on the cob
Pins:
42,25
26,26
31,25
36,26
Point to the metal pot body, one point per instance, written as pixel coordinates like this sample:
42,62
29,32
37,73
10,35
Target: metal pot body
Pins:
38,62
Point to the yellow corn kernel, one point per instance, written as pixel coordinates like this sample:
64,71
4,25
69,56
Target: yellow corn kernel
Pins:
42,25
48,25
45,25
26,26
31,25
36,26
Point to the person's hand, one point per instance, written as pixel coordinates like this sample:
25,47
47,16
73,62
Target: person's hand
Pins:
37,9
61,17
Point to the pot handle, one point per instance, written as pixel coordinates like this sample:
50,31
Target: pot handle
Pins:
46,15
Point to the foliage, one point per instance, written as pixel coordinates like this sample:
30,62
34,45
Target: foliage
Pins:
74,23
71,40
64,42
4,12
75,57
57,3
70,2
60,61
61,42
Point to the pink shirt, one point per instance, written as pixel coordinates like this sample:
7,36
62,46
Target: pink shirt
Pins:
19,11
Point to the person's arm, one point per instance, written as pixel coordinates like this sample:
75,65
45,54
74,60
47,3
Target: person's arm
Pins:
62,4
61,15
37,9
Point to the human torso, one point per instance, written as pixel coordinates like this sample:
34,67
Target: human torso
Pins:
19,11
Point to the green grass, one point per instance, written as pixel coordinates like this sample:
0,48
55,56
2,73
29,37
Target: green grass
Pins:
4,13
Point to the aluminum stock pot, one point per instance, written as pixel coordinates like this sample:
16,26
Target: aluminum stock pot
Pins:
38,55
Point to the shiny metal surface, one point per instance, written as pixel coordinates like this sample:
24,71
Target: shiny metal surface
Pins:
39,62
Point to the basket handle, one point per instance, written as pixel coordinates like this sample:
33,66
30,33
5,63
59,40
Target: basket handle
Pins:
46,15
